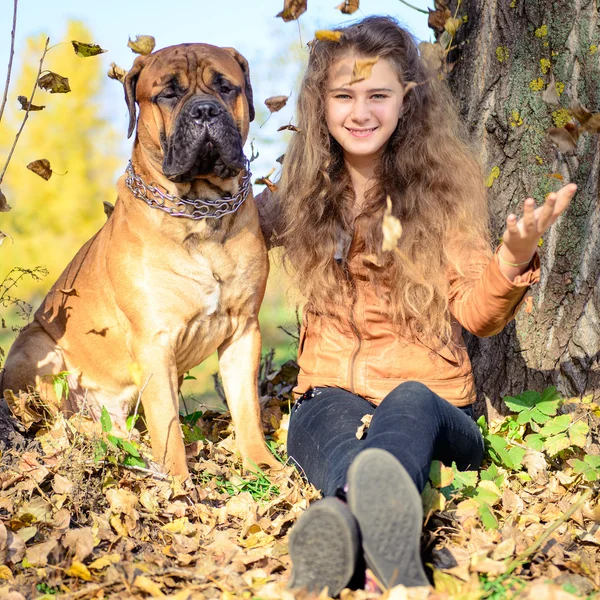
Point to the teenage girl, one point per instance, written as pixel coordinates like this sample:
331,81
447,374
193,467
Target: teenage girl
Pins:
381,332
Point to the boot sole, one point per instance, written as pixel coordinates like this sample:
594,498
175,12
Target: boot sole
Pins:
323,547
388,508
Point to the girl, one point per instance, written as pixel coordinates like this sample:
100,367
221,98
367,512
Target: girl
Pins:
381,332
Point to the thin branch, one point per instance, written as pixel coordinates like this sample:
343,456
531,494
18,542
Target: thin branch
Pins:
37,77
425,12
10,58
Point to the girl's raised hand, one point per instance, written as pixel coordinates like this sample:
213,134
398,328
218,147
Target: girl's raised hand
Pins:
521,236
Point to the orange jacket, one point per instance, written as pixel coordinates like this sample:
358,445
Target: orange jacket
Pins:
364,354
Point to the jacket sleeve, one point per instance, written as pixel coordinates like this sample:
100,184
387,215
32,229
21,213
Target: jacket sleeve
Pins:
268,216
484,305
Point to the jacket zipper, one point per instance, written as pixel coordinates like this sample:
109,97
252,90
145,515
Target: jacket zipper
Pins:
351,363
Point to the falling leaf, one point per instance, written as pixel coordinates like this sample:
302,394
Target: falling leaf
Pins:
116,72
437,18
143,44
108,208
54,83
529,305
25,105
392,229
565,137
4,206
348,7
555,176
326,35
550,95
292,9
288,128
266,181
362,69
85,50
69,292
276,103
280,159
579,111
3,236
41,167
432,55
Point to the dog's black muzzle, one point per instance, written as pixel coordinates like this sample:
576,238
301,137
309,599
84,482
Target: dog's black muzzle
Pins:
205,141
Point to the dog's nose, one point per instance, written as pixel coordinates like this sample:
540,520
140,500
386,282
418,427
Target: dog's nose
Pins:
203,111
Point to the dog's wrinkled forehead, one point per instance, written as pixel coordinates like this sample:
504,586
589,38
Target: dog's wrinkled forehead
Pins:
190,67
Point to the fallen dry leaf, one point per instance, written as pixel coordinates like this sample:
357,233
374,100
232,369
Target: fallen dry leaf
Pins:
292,9
437,18
79,570
54,83
362,69
25,105
348,7
565,137
288,128
41,167
86,50
276,103
529,305
392,229
366,422
328,35
116,72
432,55
143,44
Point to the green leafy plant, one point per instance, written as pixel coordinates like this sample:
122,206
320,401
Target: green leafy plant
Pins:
114,449
60,384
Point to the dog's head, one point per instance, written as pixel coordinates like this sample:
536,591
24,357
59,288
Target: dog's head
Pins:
195,106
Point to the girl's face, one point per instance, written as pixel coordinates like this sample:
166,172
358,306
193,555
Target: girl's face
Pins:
362,116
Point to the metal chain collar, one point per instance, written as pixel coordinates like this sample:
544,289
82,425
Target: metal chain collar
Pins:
202,209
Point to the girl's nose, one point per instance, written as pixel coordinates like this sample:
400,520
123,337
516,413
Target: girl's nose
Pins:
360,111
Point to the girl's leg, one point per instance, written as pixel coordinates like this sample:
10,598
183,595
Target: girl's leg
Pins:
322,435
417,426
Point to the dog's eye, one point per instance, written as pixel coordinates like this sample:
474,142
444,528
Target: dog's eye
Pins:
226,89
167,94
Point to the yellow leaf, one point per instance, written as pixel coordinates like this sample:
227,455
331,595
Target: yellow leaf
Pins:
143,44
451,25
147,585
362,69
181,525
392,229
6,573
86,50
79,570
327,35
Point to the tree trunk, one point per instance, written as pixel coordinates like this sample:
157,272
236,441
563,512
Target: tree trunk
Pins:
505,54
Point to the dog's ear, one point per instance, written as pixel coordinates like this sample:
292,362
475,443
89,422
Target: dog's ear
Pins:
246,69
129,83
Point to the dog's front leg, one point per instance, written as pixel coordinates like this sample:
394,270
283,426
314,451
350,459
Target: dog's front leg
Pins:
239,360
161,410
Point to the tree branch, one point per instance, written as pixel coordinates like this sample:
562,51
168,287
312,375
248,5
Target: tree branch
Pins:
27,111
10,58
425,12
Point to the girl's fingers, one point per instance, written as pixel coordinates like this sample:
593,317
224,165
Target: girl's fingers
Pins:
511,224
528,215
564,197
547,216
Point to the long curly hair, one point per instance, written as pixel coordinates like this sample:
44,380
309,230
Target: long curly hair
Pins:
427,169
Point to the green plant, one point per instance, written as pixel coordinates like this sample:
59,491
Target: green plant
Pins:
60,383
114,449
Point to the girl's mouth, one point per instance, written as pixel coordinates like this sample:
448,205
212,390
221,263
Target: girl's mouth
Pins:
361,132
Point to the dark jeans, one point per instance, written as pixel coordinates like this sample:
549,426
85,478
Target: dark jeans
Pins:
413,423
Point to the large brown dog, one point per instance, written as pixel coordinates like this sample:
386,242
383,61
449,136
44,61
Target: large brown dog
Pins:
178,270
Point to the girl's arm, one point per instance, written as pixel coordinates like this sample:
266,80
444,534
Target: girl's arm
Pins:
484,305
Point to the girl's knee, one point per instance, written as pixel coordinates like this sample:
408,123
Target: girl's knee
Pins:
412,392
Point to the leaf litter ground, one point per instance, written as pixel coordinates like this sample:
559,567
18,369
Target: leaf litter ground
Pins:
80,517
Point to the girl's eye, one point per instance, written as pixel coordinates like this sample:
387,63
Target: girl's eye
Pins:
342,96
379,96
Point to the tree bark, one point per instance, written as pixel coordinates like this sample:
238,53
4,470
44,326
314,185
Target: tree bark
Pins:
505,54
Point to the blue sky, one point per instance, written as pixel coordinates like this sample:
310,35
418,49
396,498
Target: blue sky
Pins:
248,25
